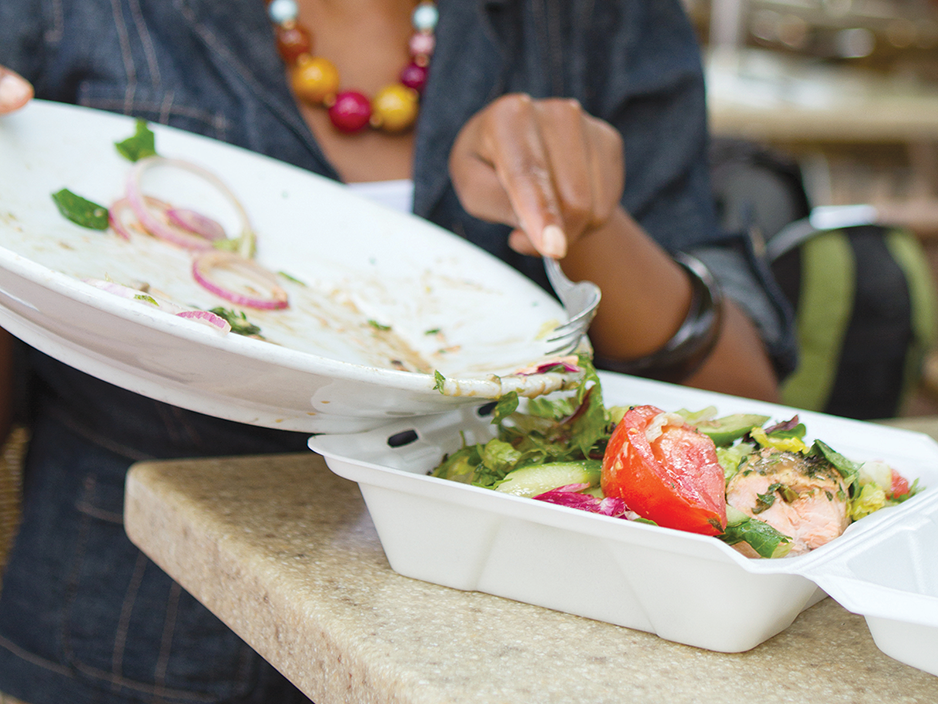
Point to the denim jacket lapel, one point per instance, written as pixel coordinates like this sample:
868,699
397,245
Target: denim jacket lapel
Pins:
236,31
467,72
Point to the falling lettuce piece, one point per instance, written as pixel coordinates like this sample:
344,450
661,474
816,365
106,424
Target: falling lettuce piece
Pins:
81,211
140,146
506,405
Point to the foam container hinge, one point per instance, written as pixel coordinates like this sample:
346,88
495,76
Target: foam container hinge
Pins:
684,587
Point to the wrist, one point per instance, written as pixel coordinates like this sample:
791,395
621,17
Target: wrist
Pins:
695,338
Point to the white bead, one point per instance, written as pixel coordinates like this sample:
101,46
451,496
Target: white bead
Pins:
282,10
425,17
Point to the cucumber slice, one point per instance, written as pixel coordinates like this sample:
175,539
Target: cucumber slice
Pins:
538,478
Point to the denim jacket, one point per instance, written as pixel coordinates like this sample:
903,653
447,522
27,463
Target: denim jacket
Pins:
212,68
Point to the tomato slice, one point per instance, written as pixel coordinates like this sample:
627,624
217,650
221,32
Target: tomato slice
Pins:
900,485
669,475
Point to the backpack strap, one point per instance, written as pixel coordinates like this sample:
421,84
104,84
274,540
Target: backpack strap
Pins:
909,254
825,306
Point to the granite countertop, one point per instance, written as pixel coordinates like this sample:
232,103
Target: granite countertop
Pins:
285,553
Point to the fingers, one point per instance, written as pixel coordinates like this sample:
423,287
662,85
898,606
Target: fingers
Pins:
15,91
545,167
502,173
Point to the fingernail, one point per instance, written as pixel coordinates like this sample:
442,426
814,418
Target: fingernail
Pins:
553,242
14,91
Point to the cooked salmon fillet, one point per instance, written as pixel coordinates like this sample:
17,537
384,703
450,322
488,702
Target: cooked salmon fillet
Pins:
801,497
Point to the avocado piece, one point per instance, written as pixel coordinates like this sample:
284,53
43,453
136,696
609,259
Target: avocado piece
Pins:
728,429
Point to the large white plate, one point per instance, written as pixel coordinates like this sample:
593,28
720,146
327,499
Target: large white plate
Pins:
325,367
688,588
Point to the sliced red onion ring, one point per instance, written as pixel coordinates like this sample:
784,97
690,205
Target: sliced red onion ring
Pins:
207,317
201,316
165,229
562,364
205,262
120,211
196,223
136,295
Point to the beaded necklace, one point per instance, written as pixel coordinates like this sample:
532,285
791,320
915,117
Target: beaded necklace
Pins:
315,79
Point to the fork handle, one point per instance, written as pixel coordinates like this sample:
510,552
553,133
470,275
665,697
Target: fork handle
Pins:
694,340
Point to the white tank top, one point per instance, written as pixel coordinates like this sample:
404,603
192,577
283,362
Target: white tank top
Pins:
398,195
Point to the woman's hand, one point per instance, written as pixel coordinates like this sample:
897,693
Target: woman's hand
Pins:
15,91
545,167
556,174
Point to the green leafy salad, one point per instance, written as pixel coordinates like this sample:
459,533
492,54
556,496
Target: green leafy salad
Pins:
560,449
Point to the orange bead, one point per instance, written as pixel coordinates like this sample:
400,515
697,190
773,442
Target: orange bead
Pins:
315,79
292,42
395,108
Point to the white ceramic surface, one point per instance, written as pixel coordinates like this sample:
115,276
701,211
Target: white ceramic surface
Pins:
687,588
326,367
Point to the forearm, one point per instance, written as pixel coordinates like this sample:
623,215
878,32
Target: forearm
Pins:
646,296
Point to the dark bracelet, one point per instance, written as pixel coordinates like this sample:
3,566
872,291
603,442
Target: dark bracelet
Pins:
683,354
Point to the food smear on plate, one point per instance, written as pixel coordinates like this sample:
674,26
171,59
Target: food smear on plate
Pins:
756,486
161,248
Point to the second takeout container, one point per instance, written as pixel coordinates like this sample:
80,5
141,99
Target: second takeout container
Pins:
684,587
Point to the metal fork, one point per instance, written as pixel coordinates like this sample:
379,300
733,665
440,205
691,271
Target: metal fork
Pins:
580,301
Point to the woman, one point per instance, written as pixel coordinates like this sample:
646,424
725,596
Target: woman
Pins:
546,127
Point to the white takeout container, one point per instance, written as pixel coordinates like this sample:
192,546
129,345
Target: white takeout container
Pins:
684,587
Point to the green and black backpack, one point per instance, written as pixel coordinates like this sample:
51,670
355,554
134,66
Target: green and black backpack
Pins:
862,292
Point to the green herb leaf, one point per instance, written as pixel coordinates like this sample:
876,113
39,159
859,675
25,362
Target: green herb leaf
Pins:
238,321
80,210
291,278
378,326
439,380
141,145
764,501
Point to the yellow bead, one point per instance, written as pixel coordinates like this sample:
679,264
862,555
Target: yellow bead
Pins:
315,79
394,108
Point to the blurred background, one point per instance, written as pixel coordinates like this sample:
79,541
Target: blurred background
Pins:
847,90
848,86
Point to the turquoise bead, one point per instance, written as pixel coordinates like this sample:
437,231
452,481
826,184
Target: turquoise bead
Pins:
425,17
281,11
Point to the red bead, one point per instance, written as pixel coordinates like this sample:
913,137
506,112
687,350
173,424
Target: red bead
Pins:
292,42
414,76
350,112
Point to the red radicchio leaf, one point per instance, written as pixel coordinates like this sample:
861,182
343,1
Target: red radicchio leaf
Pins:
569,496
784,425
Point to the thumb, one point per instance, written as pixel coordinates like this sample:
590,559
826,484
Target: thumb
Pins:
15,91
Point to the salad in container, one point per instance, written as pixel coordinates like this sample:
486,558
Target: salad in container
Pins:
707,519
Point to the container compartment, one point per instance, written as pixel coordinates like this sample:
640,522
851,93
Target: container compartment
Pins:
684,587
